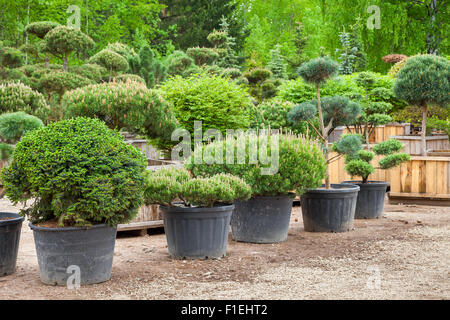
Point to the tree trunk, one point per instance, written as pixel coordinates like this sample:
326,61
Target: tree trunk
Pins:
47,60
110,74
424,129
66,62
366,129
324,135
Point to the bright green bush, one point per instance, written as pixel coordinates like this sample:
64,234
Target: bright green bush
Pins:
301,163
168,185
19,97
180,64
40,28
79,173
202,56
219,103
14,125
11,57
128,105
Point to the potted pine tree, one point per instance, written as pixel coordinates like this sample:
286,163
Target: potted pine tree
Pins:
197,226
293,164
330,208
85,180
370,201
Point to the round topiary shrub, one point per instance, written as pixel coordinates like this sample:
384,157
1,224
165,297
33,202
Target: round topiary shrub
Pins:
79,172
19,97
60,82
127,105
91,71
180,64
218,102
129,77
299,163
110,60
14,125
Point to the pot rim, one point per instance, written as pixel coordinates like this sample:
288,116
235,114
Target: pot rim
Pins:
16,218
289,195
368,183
45,229
345,188
217,208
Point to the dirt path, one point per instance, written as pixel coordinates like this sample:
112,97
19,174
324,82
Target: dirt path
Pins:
405,255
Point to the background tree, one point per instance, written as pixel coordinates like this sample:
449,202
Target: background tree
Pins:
277,64
148,66
40,30
424,81
111,61
62,41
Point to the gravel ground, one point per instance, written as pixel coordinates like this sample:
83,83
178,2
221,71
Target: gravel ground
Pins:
404,255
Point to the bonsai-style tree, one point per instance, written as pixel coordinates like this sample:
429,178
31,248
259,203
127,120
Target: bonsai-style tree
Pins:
110,60
203,56
424,81
10,57
334,111
78,172
148,67
60,82
260,83
166,186
180,64
374,113
12,127
40,30
61,41
358,160
277,64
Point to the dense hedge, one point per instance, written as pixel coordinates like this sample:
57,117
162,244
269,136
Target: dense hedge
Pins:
79,173
218,102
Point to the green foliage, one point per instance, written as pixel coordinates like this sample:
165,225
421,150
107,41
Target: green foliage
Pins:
19,97
318,71
128,105
203,56
301,164
261,86
11,57
232,73
167,185
347,54
60,82
393,160
277,65
6,151
218,102
438,124
273,114
40,28
62,40
366,80
148,67
180,64
110,60
14,125
358,160
125,77
424,80
91,71
79,172
388,147
121,49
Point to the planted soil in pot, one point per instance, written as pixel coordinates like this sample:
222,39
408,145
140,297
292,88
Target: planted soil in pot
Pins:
370,201
89,249
197,233
262,219
10,228
329,210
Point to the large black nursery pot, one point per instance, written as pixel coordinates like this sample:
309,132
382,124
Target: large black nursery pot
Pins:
10,227
197,233
329,210
370,203
262,219
87,249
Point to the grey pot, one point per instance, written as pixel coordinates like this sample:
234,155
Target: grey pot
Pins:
89,249
262,219
329,210
370,202
9,242
197,233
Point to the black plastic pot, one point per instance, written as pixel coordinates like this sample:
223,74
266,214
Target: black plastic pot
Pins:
89,249
197,233
329,210
9,242
262,219
370,203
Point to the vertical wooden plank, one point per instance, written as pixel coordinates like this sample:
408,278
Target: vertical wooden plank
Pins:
441,175
415,177
394,180
423,177
405,176
431,174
